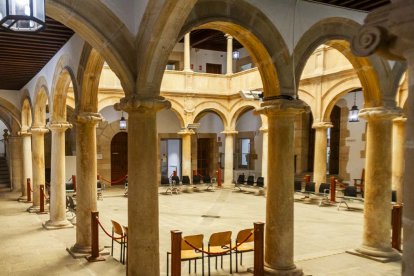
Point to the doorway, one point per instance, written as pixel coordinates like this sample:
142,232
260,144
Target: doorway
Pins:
205,156
170,150
119,156
334,136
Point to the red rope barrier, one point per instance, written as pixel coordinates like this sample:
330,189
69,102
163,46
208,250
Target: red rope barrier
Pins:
109,235
218,253
115,181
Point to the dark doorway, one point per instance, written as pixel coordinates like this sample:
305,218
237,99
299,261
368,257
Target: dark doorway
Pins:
119,156
213,68
334,140
205,156
311,148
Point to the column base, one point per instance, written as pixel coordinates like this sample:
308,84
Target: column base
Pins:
292,271
22,199
376,254
78,251
33,209
55,225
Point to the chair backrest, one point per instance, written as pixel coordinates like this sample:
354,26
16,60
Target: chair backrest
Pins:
71,203
324,187
206,179
310,187
196,179
245,235
186,179
176,179
250,180
125,228
220,239
363,175
260,181
117,228
298,186
240,179
350,191
195,240
165,180
99,184
69,186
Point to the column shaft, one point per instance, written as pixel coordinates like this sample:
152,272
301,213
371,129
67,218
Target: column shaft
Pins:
38,154
187,66
86,171
229,54
265,154
398,158
319,170
15,148
228,157
27,162
186,152
58,181
377,193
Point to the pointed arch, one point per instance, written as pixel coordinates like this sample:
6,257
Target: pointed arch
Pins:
41,99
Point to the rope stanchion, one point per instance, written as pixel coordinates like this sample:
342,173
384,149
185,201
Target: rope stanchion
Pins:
114,181
95,256
42,199
175,253
258,249
29,190
107,233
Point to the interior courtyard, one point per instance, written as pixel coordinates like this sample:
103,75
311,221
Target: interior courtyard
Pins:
206,116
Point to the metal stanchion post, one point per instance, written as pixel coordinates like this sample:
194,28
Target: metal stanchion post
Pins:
42,199
29,190
95,256
258,249
176,253
396,226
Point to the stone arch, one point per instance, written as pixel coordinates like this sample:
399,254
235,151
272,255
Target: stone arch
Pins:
398,76
41,99
10,115
104,31
337,91
239,111
26,114
62,78
309,99
89,73
254,30
178,109
108,101
214,107
338,32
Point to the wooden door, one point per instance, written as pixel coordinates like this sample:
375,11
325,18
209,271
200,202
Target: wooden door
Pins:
204,155
335,140
311,148
119,157
213,68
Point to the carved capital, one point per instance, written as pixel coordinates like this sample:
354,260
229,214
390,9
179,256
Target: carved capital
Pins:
322,125
264,129
24,132
380,113
369,40
39,129
400,120
186,131
59,126
282,107
88,118
138,103
230,132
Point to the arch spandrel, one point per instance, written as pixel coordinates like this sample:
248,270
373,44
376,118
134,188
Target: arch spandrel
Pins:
338,32
309,99
41,99
26,113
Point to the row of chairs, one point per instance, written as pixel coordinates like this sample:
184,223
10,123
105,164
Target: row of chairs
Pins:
249,182
219,245
185,180
120,236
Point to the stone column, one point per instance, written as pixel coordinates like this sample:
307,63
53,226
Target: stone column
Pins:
187,66
16,164
228,157
38,160
265,151
86,171
319,170
27,162
186,151
229,54
377,207
398,158
57,182
279,203
143,231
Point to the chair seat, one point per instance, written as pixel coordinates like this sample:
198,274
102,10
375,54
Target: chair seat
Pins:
245,247
190,255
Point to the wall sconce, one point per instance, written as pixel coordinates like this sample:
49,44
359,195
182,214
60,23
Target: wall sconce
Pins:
122,123
236,54
354,111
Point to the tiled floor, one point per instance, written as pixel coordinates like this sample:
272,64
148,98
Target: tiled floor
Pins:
322,234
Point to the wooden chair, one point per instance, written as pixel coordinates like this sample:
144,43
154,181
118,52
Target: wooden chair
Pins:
219,244
246,237
188,253
125,257
117,233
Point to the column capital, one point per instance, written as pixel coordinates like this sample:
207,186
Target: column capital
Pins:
186,131
282,107
264,129
59,126
400,120
380,113
322,125
39,129
228,36
23,132
142,104
230,132
88,118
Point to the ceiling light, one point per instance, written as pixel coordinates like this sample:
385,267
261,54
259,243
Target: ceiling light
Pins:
22,15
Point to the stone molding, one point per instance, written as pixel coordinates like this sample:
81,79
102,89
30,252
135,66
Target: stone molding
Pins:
380,113
264,129
39,129
59,126
230,132
138,103
88,118
322,125
400,120
186,132
282,107
24,133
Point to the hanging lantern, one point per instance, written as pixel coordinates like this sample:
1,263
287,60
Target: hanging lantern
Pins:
236,55
22,15
122,123
354,111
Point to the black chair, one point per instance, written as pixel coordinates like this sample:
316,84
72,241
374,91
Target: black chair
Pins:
297,186
176,179
310,187
324,188
165,180
250,180
196,179
185,180
260,182
241,179
350,191
207,179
